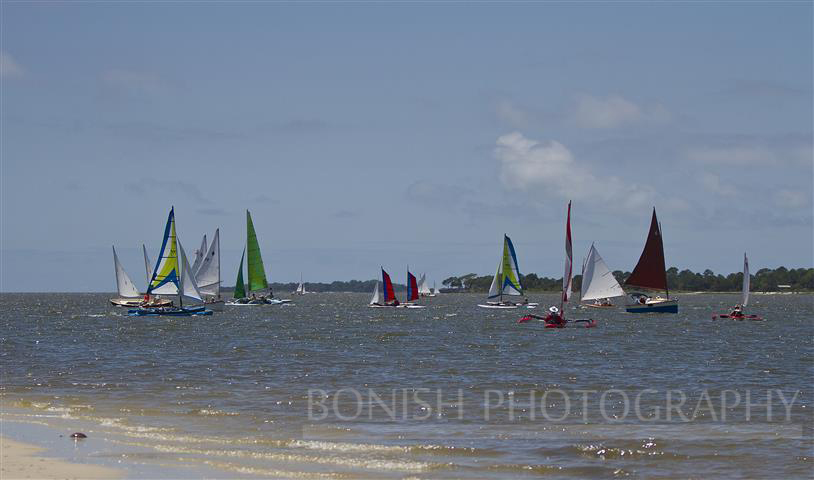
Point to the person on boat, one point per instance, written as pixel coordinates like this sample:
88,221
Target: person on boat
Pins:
554,317
643,300
525,301
737,311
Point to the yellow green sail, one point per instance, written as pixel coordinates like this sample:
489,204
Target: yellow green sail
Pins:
257,274
165,278
240,287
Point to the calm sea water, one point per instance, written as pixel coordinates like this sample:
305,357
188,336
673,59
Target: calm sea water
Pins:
329,387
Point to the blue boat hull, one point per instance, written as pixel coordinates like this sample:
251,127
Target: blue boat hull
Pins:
666,307
169,312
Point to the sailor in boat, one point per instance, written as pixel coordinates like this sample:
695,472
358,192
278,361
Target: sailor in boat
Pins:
554,317
737,311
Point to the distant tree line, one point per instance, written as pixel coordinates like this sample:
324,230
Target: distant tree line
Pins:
764,280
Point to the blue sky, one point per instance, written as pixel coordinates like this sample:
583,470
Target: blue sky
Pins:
362,135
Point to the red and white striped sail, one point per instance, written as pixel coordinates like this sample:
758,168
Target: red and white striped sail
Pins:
567,275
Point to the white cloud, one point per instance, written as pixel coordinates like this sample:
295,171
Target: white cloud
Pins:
133,82
9,67
528,164
712,182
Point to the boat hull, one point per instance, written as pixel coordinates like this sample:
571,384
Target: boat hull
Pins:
593,305
726,316
169,312
138,302
665,306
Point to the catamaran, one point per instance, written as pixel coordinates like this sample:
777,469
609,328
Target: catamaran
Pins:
506,281
300,288
172,276
737,312
256,271
598,283
650,274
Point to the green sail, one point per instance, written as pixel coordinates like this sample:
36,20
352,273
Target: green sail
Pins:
257,274
240,287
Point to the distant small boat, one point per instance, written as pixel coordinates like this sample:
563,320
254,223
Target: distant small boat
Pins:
651,274
412,292
506,281
598,283
172,276
300,290
423,289
737,312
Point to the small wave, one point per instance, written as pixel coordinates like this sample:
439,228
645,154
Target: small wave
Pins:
211,412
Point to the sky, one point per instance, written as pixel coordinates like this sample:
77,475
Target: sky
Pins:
362,135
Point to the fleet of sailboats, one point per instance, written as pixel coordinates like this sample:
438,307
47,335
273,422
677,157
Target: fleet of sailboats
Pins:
174,287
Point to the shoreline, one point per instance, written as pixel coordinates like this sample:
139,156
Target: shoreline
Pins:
26,460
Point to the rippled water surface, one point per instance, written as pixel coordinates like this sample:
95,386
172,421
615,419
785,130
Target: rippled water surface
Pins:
463,391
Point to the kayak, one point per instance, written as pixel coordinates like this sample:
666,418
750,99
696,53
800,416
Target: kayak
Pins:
742,317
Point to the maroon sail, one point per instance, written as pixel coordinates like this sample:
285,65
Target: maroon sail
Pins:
650,272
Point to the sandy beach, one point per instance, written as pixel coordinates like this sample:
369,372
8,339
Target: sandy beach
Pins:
22,460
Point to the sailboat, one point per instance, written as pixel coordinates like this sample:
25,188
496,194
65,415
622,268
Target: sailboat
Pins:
300,288
129,295
423,289
256,271
172,275
413,292
199,256
435,289
154,300
556,316
389,294
207,276
598,282
650,274
737,312
507,280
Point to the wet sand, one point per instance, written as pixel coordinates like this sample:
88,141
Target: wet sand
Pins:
23,460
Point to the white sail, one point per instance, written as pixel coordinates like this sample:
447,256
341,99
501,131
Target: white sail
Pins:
123,282
147,266
207,276
375,298
189,288
746,281
597,279
494,289
423,289
199,255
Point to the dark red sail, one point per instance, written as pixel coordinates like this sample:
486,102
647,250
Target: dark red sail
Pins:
412,287
389,294
650,272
